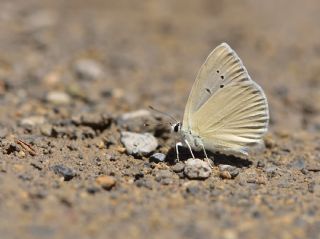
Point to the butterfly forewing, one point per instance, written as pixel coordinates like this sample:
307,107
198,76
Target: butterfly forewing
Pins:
226,109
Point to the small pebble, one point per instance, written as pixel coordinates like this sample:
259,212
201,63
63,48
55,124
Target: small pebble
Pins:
112,157
58,98
313,167
142,182
66,172
137,175
21,154
256,179
225,175
25,176
73,146
106,182
197,169
32,121
93,189
311,187
165,177
260,164
135,121
232,170
138,144
157,157
193,190
95,121
46,129
134,114
116,93
304,171
269,142
283,183
181,174
88,69
12,148
39,194
271,171
298,163
178,167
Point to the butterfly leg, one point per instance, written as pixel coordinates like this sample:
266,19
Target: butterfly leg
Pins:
187,143
207,158
177,150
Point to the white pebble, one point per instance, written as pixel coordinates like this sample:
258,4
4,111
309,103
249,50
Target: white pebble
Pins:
58,98
197,169
88,69
33,120
138,144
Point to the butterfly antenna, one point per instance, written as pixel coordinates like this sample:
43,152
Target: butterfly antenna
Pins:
154,124
166,114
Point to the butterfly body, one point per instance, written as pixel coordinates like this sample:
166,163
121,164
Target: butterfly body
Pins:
226,110
192,138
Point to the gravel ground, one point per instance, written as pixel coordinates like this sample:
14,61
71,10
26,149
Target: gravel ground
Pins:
76,79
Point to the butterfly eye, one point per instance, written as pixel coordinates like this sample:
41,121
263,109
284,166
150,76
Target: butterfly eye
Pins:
176,127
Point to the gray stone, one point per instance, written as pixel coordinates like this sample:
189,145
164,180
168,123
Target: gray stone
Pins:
142,182
88,69
138,144
271,171
32,121
135,114
197,169
178,167
261,164
46,129
298,163
66,172
136,121
232,170
58,98
192,188
93,189
158,157
165,177
92,120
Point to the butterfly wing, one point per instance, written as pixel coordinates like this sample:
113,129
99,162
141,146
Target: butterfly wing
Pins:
226,109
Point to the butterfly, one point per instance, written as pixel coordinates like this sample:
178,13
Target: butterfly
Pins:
226,111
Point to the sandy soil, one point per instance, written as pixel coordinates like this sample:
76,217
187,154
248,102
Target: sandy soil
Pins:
70,69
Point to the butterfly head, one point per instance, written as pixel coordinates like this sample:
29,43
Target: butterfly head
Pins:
176,127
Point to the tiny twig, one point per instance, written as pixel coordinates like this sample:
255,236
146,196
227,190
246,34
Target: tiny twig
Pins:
27,147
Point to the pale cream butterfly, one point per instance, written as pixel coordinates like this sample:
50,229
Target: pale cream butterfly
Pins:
226,111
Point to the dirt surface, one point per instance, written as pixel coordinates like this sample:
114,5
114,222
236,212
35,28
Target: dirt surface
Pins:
70,70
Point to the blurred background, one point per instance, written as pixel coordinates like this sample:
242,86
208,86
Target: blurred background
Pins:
61,58
150,51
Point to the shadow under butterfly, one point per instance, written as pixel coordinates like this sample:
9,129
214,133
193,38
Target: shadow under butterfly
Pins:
238,162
